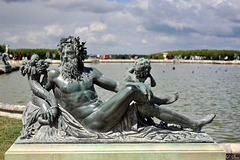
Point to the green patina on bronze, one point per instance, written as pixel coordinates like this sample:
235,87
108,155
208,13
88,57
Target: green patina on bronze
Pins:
75,113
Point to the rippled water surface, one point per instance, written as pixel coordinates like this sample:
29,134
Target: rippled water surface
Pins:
202,89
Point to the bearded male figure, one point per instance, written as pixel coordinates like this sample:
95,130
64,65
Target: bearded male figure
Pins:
73,86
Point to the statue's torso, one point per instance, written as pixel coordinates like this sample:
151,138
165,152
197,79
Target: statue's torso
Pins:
77,96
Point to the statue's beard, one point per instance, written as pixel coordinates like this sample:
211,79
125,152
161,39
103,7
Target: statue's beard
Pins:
70,70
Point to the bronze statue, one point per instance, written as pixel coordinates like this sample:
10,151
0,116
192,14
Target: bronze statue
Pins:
73,87
43,105
76,109
140,72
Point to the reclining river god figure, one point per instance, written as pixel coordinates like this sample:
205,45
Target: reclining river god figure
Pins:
82,114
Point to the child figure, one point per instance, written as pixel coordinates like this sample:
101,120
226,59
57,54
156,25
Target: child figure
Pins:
140,72
43,105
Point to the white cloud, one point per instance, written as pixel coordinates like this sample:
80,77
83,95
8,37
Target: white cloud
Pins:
81,30
165,39
85,34
144,41
44,35
53,30
143,4
34,37
124,43
13,38
108,38
177,24
140,28
125,17
100,6
98,26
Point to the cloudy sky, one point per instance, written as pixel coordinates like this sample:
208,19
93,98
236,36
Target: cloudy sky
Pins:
122,26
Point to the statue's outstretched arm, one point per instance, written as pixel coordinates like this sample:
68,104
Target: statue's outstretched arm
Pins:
165,99
104,82
107,83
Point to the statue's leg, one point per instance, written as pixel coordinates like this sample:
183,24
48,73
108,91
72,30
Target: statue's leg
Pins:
112,111
170,116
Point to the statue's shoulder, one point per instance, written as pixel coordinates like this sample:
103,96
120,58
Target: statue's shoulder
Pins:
53,73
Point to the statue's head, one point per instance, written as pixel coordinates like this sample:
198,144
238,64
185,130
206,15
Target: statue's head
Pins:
72,53
142,67
34,59
70,47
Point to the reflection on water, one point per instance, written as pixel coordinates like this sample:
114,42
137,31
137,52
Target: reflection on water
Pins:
203,89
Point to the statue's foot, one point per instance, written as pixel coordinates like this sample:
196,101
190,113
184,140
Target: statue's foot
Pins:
202,122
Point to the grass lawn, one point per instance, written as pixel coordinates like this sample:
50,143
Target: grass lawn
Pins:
9,131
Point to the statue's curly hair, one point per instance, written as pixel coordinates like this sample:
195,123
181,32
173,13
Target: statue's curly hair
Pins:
78,46
142,67
142,63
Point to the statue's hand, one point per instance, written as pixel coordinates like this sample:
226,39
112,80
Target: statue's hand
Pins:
47,113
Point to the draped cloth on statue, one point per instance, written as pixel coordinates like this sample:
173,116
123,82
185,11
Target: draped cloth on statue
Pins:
66,129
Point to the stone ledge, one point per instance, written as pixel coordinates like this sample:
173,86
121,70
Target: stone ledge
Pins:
11,115
11,108
146,151
5,68
231,148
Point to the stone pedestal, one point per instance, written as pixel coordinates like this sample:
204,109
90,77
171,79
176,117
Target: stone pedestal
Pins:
6,68
121,151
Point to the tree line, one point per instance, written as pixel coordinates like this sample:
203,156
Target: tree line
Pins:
184,54
25,52
204,53
53,53
2,48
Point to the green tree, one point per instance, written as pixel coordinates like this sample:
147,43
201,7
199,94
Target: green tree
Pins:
2,48
41,52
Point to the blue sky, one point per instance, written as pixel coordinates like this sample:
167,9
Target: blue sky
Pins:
122,26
